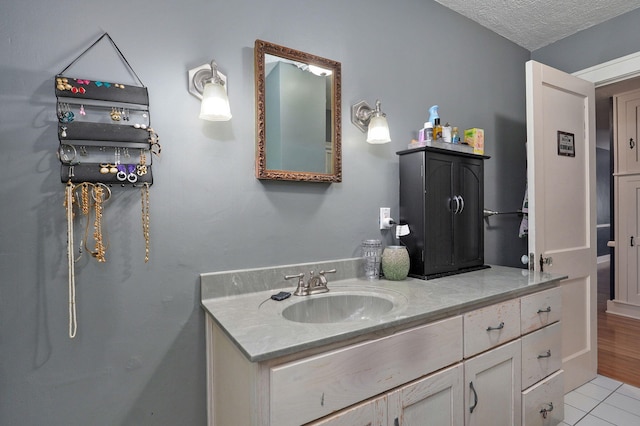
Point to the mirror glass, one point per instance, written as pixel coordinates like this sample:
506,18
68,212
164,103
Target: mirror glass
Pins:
297,115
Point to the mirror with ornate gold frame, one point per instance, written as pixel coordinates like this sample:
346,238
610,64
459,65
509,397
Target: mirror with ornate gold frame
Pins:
298,115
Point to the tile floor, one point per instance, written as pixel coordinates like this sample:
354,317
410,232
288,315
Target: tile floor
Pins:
602,402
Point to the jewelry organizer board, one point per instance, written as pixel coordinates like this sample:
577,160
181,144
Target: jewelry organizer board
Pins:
104,129
105,140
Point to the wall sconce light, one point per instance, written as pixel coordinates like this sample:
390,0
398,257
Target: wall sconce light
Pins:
372,121
209,85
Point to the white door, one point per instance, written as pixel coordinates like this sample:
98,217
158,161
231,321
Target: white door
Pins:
562,205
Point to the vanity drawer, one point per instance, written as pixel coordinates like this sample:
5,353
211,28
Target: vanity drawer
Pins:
541,354
546,395
541,309
313,387
491,326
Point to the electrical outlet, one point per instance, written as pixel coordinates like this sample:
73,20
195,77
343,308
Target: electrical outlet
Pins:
385,213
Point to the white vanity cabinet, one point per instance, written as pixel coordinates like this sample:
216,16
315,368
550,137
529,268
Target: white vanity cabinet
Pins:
473,368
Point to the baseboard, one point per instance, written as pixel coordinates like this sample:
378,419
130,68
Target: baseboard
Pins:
623,309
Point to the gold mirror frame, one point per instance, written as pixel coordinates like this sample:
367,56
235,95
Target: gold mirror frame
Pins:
263,48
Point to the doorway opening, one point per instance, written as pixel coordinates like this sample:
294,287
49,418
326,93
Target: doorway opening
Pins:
618,346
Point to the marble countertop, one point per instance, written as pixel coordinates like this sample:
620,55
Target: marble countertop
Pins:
254,321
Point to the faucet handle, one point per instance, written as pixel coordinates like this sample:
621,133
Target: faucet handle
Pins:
299,276
323,279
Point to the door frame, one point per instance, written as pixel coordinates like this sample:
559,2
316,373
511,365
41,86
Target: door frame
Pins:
612,71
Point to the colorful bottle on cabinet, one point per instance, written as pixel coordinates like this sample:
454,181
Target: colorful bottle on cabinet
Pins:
455,136
437,130
446,133
434,118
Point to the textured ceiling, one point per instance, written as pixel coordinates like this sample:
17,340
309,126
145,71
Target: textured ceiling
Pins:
533,24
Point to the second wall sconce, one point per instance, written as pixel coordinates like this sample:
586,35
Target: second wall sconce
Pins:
372,121
209,85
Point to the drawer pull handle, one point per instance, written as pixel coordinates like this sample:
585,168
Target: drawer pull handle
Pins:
499,327
475,397
545,355
544,411
396,422
544,311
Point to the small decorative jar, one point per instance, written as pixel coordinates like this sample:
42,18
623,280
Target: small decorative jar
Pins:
395,263
371,250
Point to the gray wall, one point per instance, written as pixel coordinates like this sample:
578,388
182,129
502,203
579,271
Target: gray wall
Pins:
612,39
139,356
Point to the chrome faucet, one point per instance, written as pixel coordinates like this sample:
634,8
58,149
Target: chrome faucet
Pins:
317,283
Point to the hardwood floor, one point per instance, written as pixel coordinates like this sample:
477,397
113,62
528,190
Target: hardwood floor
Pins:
618,338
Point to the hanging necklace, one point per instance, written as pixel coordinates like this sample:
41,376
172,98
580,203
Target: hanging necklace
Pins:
98,198
68,202
145,220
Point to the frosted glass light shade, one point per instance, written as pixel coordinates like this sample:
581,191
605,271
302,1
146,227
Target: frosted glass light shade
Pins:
215,103
378,130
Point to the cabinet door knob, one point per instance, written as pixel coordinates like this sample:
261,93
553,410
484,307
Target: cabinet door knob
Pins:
461,204
632,143
457,207
546,410
499,327
546,354
475,397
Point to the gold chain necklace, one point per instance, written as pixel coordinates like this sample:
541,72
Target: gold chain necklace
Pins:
145,220
98,196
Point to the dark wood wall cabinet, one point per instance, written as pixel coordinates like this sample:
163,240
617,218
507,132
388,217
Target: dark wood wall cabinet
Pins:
442,199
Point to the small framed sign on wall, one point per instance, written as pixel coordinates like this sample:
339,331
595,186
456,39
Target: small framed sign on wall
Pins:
566,144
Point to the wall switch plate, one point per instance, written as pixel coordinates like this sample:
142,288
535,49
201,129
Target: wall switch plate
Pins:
385,214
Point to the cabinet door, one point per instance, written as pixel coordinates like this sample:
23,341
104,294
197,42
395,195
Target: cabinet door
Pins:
468,241
439,208
412,190
627,157
370,413
435,400
627,234
492,387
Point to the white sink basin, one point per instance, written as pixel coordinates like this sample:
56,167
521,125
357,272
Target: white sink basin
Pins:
340,307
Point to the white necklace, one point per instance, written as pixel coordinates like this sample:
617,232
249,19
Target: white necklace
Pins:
73,322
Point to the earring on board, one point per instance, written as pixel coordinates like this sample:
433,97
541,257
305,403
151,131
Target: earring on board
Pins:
115,114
